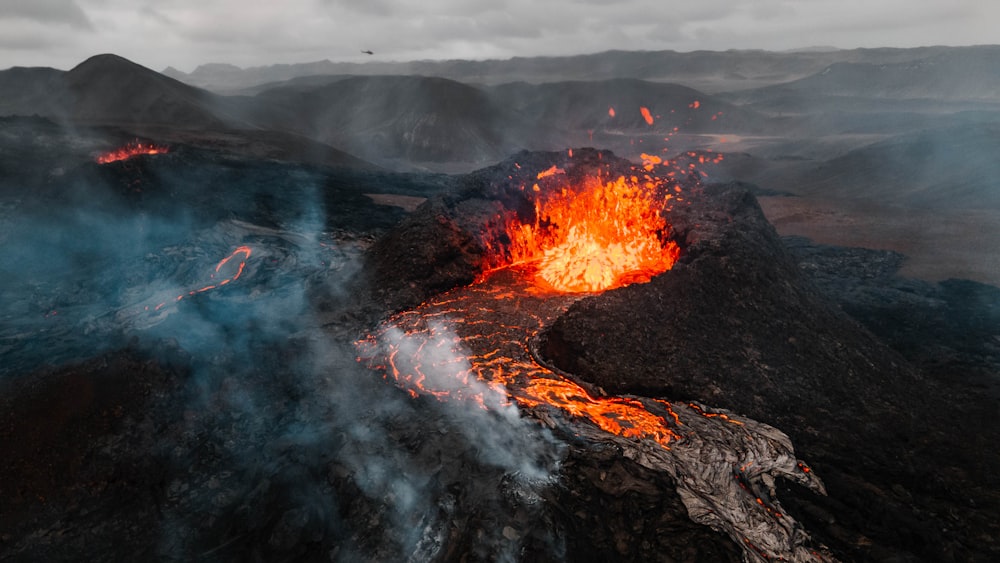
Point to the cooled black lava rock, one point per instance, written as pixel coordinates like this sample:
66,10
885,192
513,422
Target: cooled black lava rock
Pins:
262,457
734,324
147,455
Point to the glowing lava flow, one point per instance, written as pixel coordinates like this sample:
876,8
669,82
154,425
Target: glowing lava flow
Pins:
495,323
234,273
130,150
474,345
595,235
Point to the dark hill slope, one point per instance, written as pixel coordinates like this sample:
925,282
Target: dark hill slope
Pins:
952,75
387,117
584,105
953,167
28,91
107,89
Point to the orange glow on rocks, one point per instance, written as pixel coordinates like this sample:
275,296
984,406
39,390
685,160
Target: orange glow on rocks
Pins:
594,235
131,150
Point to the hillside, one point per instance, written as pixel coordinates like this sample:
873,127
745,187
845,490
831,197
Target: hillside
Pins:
580,105
27,91
954,167
107,89
394,117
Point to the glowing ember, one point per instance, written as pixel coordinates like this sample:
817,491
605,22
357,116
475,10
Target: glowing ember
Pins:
130,150
646,115
594,236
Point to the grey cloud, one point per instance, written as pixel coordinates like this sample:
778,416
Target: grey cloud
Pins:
383,8
45,11
156,15
185,34
10,38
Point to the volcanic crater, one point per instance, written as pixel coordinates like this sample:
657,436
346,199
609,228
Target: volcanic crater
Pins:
694,411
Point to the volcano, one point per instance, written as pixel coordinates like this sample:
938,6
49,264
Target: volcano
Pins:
228,343
679,391
732,324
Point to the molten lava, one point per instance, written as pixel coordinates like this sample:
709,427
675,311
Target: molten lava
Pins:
497,318
131,150
646,115
475,345
594,235
232,273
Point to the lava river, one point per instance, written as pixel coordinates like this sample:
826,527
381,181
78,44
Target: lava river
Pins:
476,344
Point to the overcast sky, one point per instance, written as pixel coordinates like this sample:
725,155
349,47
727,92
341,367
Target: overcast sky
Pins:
186,33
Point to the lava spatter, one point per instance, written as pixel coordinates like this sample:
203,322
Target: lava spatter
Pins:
592,235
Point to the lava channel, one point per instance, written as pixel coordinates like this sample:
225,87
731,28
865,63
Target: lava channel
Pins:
474,345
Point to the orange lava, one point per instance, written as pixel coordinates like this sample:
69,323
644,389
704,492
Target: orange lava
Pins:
235,273
595,235
646,115
615,415
472,345
130,150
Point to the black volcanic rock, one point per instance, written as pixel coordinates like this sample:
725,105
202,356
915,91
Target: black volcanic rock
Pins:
142,455
269,446
734,299
735,325
82,440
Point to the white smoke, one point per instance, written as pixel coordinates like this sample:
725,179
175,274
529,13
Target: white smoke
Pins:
482,411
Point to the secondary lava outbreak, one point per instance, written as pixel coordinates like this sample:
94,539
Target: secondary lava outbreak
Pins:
563,233
131,150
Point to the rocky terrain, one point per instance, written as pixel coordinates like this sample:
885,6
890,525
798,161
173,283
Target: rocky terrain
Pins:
179,332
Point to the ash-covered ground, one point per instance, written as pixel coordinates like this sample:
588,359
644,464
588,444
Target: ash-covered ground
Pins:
237,423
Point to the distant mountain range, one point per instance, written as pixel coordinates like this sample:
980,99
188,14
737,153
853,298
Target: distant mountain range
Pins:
384,119
971,74
919,124
709,71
